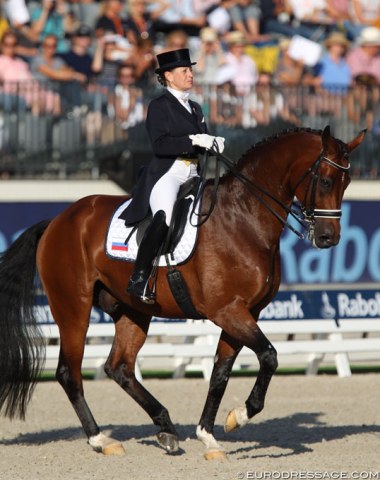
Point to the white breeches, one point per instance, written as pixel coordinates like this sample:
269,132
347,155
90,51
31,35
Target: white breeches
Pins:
164,193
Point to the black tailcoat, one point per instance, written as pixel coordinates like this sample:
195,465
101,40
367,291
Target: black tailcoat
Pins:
169,125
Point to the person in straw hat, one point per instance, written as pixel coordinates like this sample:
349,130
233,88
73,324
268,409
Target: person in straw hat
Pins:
365,58
332,72
242,68
178,133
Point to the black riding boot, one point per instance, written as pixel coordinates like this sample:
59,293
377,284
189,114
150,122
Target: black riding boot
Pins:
150,244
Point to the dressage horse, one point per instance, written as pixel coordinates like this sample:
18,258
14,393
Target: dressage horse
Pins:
232,275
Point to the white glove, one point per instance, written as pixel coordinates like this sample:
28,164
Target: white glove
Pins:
208,141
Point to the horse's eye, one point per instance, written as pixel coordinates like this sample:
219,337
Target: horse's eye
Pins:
325,182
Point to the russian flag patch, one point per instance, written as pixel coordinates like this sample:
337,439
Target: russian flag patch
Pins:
119,246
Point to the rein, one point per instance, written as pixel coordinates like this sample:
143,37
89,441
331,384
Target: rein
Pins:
308,214
200,189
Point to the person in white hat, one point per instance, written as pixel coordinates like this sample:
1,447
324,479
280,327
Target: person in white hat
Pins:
365,58
211,57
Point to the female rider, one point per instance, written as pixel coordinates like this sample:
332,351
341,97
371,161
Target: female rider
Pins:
178,133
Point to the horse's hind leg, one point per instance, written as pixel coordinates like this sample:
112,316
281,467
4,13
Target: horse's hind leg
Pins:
70,377
72,341
120,366
71,312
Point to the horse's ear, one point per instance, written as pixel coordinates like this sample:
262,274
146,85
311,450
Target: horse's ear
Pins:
356,141
325,138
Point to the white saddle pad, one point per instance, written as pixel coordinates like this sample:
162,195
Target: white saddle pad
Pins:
117,234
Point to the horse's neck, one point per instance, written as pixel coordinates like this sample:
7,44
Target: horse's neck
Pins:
246,203
246,218
266,177
269,168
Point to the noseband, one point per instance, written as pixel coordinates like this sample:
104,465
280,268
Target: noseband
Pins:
311,213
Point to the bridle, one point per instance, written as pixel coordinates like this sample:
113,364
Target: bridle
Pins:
311,213
301,213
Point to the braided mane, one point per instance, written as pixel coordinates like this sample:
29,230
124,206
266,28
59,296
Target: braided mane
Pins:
278,135
289,131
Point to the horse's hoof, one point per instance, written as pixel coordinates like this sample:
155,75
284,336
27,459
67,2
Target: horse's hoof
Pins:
231,422
115,449
215,455
235,419
168,441
106,445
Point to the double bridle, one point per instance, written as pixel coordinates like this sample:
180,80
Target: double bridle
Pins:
301,213
311,212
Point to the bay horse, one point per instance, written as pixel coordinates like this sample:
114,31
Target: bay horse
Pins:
233,274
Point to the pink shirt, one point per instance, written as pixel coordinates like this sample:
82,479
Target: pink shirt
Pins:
360,63
17,79
14,69
342,6
246,74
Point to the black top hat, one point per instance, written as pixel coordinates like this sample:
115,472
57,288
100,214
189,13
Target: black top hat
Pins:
174,59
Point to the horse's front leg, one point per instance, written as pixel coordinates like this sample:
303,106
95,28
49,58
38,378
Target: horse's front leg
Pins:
239,328
267,357
226,354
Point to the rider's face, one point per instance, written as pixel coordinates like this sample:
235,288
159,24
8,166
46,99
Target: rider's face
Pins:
180,78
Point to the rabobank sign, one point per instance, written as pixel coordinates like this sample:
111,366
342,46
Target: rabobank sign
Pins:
355,259
323,304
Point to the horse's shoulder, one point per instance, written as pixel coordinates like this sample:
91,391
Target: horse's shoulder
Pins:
98,202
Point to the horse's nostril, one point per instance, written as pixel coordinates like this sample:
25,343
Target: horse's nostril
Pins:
326,241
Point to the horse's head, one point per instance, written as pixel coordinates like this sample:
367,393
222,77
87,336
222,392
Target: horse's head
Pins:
320,189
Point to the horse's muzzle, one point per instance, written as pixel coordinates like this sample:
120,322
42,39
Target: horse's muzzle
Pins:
326,236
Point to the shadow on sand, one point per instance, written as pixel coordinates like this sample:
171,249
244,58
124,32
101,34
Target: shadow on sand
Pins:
295,434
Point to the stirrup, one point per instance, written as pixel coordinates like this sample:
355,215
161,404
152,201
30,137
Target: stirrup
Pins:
148,296
141,290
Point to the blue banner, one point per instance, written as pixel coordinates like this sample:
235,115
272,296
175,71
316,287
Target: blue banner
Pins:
323,304
355,260
15,217
288,305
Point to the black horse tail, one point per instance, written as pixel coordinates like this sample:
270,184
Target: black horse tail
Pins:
22,347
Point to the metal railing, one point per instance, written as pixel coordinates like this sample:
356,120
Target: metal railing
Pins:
51,129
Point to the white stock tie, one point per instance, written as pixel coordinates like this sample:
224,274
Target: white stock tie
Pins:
185,100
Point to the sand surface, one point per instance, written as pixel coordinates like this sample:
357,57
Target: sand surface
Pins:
311,427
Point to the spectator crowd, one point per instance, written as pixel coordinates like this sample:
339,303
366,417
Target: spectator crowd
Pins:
66,55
